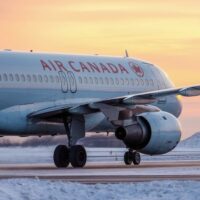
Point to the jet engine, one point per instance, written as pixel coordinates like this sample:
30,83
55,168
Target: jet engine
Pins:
151,133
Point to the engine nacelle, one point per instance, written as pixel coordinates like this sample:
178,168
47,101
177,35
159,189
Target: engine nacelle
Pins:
152,133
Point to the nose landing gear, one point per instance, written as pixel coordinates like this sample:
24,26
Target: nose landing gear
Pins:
132,157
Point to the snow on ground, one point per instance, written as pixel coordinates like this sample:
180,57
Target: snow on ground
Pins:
191,142
41,189
45,189
188,149
44,154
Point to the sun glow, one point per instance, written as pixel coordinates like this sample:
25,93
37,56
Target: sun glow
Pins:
166,33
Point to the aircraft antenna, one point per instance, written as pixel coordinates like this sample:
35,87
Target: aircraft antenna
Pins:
126,53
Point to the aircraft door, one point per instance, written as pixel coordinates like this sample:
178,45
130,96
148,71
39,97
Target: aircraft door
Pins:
68,82
64,82
72,82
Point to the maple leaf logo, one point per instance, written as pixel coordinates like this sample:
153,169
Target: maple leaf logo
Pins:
136,69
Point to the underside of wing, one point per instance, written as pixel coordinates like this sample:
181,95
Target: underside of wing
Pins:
140,101
61,110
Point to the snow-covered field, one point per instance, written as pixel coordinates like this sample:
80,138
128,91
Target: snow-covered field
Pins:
18,189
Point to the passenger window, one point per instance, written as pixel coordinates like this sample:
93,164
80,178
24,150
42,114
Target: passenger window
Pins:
51,79
23,77
34,78
85,80
147,82
107,81
5,77
46,78
29,78
91,80
127,81
17,77
151,82
80,80
101,80
122,81
11,77
117,81
111,81
40,78
96,80
132,81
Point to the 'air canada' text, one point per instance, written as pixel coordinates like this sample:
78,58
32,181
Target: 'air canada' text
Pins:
80,67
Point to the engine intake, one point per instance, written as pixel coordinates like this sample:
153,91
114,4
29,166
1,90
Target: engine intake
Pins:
136,135
152,133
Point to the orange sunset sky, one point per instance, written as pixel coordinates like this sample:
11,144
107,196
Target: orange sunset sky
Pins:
166,33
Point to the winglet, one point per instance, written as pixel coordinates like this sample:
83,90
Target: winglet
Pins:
190,91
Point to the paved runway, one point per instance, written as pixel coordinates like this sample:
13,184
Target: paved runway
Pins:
103,166
112,172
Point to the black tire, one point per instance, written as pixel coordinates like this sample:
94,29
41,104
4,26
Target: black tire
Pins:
78,156
136,158
61,156
128,158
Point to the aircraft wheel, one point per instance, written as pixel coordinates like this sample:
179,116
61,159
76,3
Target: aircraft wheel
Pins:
136,158
78,156
128,158
61,156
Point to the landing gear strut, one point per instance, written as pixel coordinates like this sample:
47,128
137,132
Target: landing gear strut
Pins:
132,157
74,154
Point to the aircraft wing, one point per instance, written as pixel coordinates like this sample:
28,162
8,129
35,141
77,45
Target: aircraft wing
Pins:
184,91
92,104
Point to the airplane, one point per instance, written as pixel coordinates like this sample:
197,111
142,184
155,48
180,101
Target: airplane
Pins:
63,94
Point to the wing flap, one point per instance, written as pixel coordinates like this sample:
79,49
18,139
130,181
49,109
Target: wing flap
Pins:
52,111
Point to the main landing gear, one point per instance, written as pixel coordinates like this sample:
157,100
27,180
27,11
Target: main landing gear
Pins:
132,157
74,154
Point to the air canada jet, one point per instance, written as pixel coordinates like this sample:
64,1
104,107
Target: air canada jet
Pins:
54,94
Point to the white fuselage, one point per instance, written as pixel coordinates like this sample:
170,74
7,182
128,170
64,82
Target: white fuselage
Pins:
36,80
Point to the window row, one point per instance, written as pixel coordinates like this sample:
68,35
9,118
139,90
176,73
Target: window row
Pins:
82,80
120,81
29,78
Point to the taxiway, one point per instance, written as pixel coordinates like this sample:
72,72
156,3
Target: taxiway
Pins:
106,173
103,166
